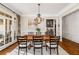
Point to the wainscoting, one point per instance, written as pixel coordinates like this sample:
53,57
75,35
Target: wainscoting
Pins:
71,47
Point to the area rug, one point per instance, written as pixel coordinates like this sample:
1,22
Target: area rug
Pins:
37,51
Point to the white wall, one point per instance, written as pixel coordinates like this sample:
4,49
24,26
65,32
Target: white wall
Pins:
25,29
70,27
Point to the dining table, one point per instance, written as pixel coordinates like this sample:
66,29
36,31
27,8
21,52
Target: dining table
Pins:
44,37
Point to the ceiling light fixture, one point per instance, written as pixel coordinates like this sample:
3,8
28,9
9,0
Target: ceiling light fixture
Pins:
38,19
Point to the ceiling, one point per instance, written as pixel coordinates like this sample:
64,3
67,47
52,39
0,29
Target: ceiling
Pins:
32,8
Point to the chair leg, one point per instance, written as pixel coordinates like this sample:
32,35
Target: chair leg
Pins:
57,52
34,51
46,47
41,51
26,51
18,50
50,51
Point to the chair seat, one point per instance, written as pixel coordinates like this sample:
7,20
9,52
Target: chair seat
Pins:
37,45
23,44
48,44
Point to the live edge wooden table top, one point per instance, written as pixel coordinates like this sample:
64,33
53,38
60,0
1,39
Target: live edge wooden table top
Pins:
45,37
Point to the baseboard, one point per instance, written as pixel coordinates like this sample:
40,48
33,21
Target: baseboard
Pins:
7,45
8,49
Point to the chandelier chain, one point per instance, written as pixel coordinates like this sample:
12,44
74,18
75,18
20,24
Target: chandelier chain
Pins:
38,8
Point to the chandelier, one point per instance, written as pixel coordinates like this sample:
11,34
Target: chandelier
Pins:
38,19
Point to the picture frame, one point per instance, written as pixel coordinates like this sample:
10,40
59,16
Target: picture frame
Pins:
49,22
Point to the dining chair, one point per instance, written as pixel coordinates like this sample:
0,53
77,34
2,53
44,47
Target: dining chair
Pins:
22,43
53,43
38,43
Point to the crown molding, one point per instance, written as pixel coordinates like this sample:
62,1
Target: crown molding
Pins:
69,9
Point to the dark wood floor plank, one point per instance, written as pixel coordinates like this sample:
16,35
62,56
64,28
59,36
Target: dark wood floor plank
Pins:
71,47
8,49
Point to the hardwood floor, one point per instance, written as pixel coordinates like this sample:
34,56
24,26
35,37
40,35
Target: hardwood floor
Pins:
71,47
8,49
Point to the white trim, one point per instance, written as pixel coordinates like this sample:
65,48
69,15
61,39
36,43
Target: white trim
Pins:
69,9
7,45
